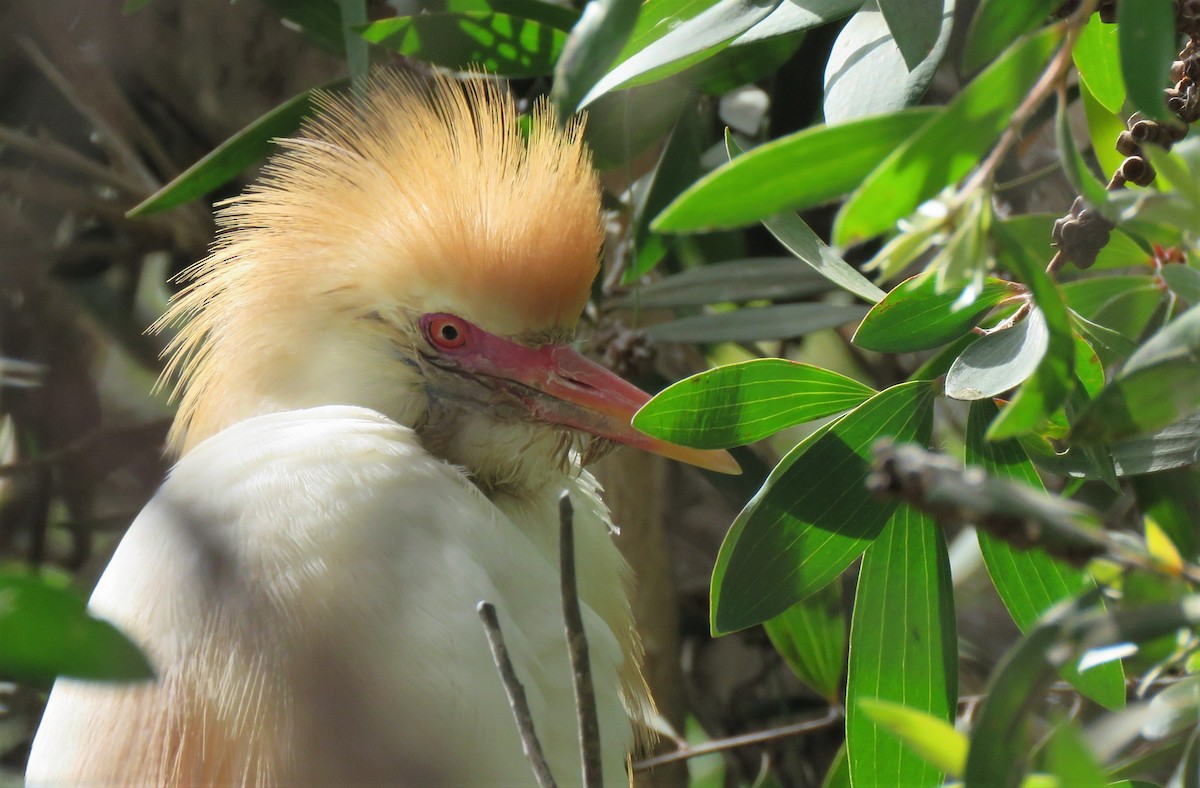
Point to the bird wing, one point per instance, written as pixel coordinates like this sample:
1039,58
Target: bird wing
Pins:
305,584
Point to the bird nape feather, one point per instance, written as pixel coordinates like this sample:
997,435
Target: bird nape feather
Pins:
374,389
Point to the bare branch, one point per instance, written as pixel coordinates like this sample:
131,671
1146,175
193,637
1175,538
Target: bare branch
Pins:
516,696
577,646
55,153
744,740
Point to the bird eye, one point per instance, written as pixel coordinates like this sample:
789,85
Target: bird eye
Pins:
446,332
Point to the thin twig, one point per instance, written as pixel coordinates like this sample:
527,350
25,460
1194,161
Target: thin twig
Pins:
577,646
1047,83
516,696
744,740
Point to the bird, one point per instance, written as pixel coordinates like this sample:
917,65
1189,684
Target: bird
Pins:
379,406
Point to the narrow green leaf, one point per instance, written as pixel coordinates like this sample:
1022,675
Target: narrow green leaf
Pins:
796,172
678,167
766,278
812,517
559,17
1043,393
1033,230
811,637
1171,498
1103,126
590,49
838,775
799,239
46,632
794,17
947,147
999,361
740,403
997,24
868,73
903,647
1030,582
233,155
756,324
1088,296
1160,384
934,739
358,59
1098,59
1147,46
915,316
502,44
692,31
1078,173
1173,447
915,27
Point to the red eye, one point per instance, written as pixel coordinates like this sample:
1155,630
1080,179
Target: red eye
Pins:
445,331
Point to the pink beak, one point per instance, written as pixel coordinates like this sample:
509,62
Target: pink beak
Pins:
558,385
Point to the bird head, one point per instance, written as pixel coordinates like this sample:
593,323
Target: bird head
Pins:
421,250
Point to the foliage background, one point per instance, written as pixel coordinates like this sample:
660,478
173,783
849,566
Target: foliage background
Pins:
931,144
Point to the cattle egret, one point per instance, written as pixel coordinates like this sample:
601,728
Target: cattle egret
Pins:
378,415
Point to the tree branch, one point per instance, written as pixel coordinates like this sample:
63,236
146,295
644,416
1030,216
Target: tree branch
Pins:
577,646
516,696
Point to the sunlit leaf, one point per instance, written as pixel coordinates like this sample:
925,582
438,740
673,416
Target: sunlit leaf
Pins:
915,26
590,49
813,517
946,148
46,632
934,739
673,34
903,647
1069,758
796,172
799,239
500,43
1098,59
740,403
232,156
793,16
1184,281
868,74
915,316
998,23
1147,47
999,361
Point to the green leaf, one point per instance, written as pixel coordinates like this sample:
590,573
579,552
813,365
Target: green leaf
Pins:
1171,499
46,632
134,5
1070,760
1043,393
812,517
934,739
1088,296
1103,127
769,278
502,44
868,73
997,24
1147,46
1098,59
740,403
793,17
358,57
672,35
1033,230
999,361
233,155
1184,282
799,239
590,49
1173,447
756,324
1030,582
915,316
1173,710
796,172
678,167
559,17
1078,173
811,637
1160,384
915,27
838,775
903,647
947,147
